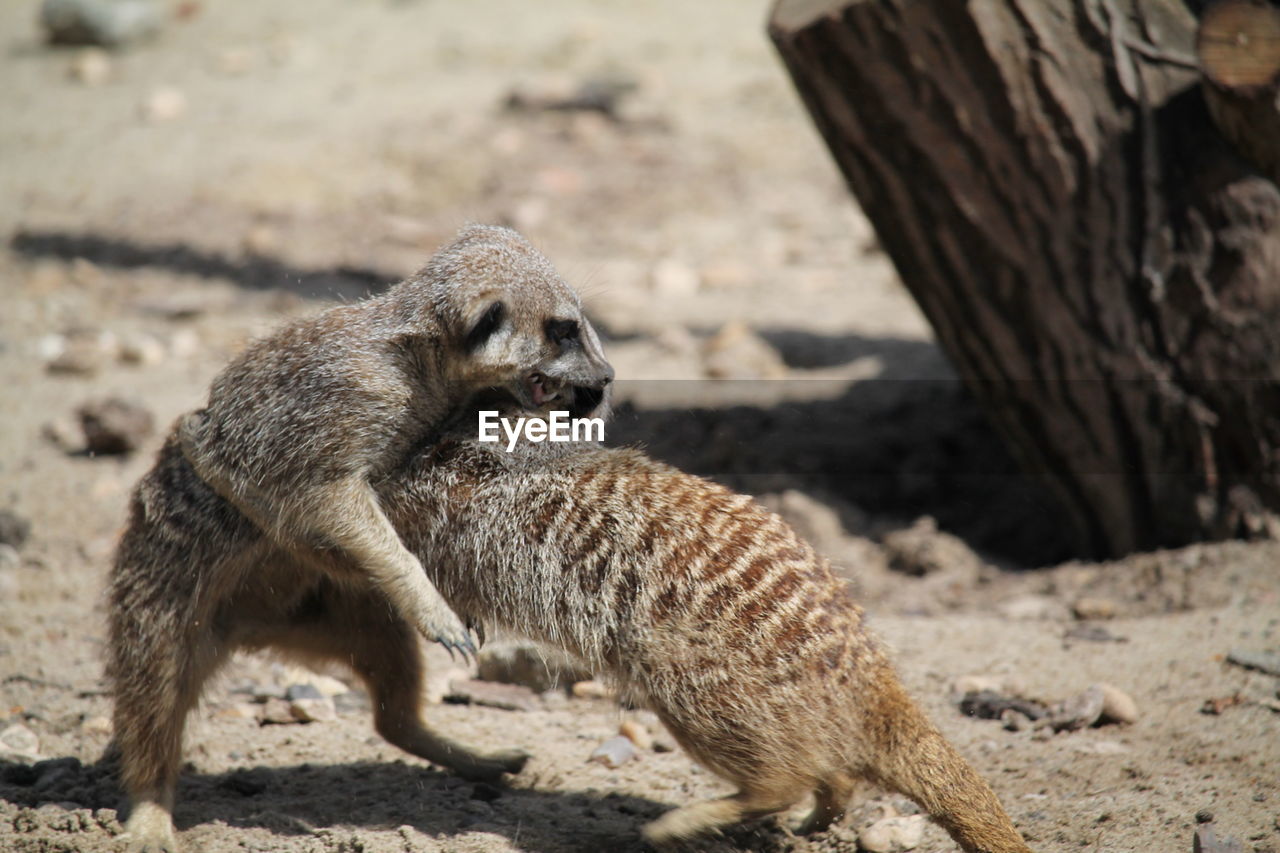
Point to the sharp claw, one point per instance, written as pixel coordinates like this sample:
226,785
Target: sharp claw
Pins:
448,647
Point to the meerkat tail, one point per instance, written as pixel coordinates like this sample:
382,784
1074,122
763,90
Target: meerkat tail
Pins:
915,760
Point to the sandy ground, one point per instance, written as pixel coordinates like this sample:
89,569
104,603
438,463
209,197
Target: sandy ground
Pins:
319,149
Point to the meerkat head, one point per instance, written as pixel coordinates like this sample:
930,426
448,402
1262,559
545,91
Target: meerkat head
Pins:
514,325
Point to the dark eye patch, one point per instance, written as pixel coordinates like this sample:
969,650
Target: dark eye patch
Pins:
486,325
559,331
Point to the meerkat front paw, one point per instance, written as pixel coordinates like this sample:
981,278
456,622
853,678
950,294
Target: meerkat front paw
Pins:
443,626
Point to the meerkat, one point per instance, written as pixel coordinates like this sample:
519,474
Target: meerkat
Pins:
298,426
700,605
286,455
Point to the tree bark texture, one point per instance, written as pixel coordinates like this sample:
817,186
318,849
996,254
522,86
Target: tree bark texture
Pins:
1102,268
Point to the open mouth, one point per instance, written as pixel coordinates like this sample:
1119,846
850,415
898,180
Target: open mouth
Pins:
579,400
541,390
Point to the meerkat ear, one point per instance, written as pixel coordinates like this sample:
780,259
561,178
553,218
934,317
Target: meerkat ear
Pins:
482,329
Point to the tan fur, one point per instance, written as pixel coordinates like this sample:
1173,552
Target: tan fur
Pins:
296,433
702,606
699,603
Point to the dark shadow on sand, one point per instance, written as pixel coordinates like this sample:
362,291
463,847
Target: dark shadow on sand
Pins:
315,799
910,442
254,272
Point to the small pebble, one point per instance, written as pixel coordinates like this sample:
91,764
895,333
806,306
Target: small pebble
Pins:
313,710
81,356
302,691
614,752
637,734
1094,608
591,689
98,726
1015,721
1204,816
1207,841
922,549
142,350
893,834
238,711
113,425
14,529
107,23
90,66
1078,712
276,711
352,702
1117,706
164,104
988,705
18,741
738,352
1268,662
508,697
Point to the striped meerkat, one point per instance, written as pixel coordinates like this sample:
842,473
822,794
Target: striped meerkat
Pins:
702,606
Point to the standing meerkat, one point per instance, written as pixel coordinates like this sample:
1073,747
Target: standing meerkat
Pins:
702,606
297,431
699,604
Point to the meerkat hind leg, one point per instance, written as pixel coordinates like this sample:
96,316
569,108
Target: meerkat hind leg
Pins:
708,815
831,799
359,629
392,667
151,711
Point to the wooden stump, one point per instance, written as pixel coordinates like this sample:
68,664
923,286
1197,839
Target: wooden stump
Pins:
1100,264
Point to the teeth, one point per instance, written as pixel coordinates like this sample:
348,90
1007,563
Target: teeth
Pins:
538,389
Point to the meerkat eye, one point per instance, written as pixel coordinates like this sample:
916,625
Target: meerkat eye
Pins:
486,325
559,331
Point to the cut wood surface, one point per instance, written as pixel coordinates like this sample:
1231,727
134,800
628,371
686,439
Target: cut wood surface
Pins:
1099,263
1238,45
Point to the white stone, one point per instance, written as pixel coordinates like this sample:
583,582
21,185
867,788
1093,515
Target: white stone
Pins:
18,741
893,834
614,752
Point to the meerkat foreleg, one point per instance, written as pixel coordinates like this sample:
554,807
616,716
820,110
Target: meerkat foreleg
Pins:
347,519
337,525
